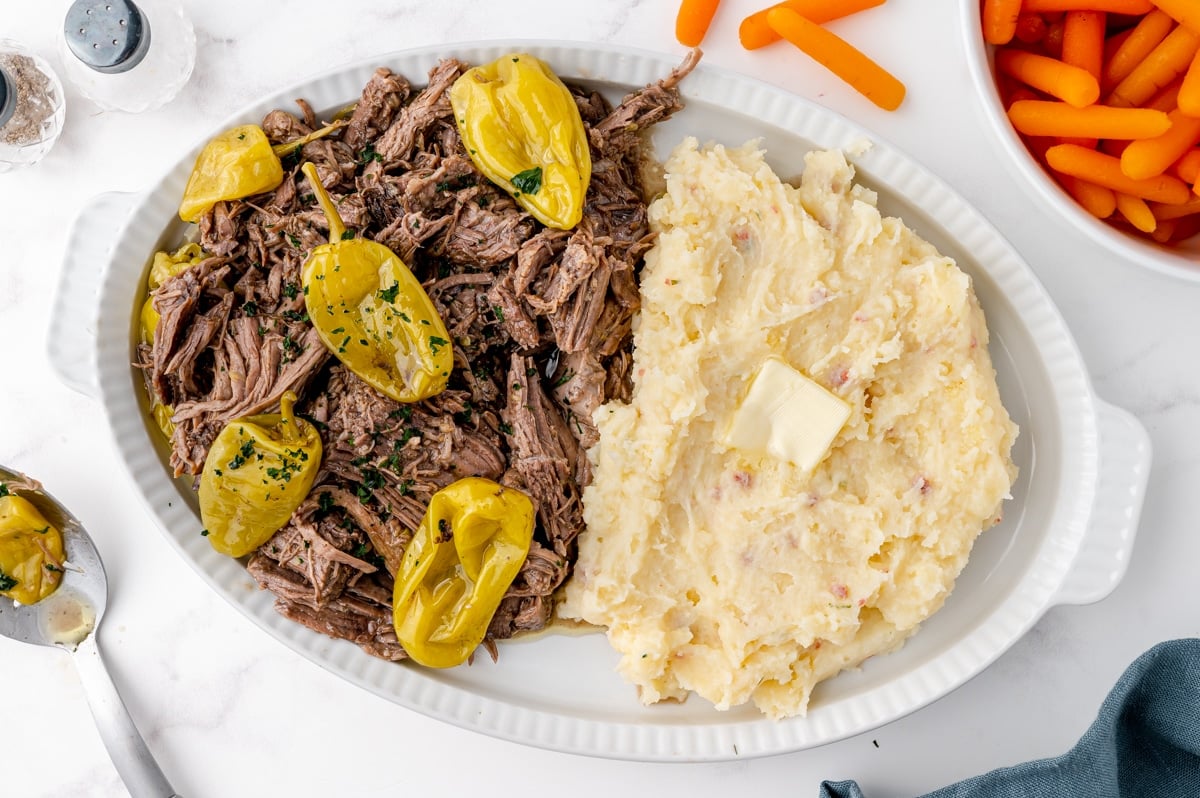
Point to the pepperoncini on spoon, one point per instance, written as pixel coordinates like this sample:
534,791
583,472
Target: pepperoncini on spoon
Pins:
372,313
523,130
238,163
31,551
471,543
258,471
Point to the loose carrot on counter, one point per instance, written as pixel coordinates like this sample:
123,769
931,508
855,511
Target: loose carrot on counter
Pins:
1083,40
1113,6
1189,90
755,31
1137,212
1165,62
1152,156
1105,170
1187,12
693,19
1097,200
1070,83
1050,118
1000,20
840,57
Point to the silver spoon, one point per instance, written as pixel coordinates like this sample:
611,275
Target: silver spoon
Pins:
68,618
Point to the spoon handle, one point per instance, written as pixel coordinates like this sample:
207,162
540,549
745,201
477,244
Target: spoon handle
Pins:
125,745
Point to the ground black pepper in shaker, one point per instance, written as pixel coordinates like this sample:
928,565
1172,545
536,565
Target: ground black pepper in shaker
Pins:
32,108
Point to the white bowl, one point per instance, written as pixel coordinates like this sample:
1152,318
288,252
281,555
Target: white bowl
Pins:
1065,539
1180,260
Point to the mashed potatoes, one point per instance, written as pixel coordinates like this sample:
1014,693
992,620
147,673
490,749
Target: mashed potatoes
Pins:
740,576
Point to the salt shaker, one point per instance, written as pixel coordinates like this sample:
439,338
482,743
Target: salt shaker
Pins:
128,56
31,107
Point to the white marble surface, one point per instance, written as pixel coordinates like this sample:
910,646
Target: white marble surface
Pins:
230,712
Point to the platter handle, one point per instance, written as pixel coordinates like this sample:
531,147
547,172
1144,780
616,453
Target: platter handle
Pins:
71,337
1124,468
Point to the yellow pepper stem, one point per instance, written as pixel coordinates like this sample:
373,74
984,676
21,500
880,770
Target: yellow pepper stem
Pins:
288,147
336,226
288,417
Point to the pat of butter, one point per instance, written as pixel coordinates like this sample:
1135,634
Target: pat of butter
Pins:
788,416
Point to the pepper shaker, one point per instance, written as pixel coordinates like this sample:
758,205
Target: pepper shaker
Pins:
32,109
128,56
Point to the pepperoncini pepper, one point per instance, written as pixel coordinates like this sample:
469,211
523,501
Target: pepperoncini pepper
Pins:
31,551
165,266
240,162
523,130
372,313
258,471
471,543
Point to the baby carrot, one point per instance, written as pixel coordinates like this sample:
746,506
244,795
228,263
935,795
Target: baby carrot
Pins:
1164,212
1189,90
1167,99
1066,82
755,31
840,57
1139,42
1164,230
1114,6
1083,40
1186,11
1165,62
1097,200
1031,28
1105,170
1049,118
1137,212
693,19
1000,20
1148,157
1187,168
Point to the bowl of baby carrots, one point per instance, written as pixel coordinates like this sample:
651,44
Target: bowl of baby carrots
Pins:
1098,102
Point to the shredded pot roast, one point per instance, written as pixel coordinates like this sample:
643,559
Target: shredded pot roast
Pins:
540,319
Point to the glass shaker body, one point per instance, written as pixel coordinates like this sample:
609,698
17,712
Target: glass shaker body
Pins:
32,108
141,79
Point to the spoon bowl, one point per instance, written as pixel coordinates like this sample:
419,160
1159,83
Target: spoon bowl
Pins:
72,612
69,618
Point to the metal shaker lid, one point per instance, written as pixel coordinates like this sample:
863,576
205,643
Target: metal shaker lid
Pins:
110,36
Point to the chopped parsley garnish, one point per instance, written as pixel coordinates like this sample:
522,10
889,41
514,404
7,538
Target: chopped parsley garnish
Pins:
244,454
295,242
403,412
43,530
436,343
529,181
565,378
506,428
348,234
250,308
389,294
3,489
499,311
203,533
325,502
7,582
338,330
368,154
289,290
371,480
295,315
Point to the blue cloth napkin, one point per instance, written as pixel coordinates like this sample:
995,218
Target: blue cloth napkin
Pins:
1145,742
